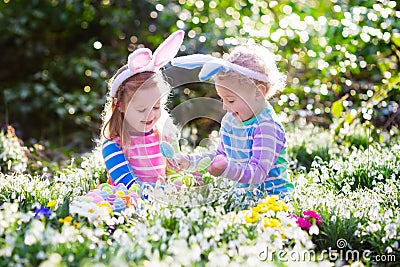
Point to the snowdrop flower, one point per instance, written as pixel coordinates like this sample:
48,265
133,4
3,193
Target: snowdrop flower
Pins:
218,258
178,213
183,230
391,230
192,239
373,227
194,215
205,245
314,230
388,214
167,213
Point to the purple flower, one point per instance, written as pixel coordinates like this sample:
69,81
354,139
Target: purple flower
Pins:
310,214
42,211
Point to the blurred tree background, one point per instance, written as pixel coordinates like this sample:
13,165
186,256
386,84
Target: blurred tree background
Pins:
342,57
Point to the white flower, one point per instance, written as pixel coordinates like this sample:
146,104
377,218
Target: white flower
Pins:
205,245
41,255
314,230
194,215
183,230
192,239
167,213
388,250
391,230
207,232
34,233
373,227
218,258
388,214
178,213
30,239
54,260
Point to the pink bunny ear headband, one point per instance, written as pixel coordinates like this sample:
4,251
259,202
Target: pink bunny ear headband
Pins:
212,65
142,59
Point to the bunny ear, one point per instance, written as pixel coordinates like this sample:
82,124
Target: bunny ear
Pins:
139,59
191,61
211,68
168,49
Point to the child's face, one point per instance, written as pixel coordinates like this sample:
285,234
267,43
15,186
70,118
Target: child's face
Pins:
238,99
144,109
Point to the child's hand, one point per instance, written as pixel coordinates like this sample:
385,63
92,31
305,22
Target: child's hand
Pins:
198,178
218,165
179,162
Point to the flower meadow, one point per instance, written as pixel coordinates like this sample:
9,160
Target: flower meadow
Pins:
344,211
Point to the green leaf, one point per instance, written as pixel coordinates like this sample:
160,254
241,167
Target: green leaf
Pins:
337,108
396,39
64,209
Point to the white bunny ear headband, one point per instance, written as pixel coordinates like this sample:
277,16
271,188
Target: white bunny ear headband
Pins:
142,59
212,65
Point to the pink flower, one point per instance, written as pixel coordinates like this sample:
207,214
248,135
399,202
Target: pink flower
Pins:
310,214
310,218
303,223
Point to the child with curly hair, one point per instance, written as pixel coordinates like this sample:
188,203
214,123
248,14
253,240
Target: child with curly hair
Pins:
252,146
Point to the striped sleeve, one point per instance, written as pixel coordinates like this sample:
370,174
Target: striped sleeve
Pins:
117,164
195,158
268,141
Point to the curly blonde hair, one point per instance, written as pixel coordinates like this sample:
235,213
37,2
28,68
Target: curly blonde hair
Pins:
257,58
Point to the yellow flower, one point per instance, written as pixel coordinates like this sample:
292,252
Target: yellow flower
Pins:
274,204
67,219
271,222
254,217
51,204
283,206
271,199
261,207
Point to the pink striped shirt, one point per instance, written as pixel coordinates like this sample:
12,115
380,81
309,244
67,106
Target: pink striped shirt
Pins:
145,158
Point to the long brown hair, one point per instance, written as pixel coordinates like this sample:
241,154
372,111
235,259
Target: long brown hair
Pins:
113,117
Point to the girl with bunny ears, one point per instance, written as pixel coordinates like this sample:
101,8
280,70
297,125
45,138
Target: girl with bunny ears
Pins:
252,146
135,120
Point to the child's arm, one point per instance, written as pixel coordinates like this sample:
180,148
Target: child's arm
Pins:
117,164
183,161
192,160
268,141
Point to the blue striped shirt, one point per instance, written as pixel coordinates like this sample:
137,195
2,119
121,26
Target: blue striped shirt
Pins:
256,152
117,164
